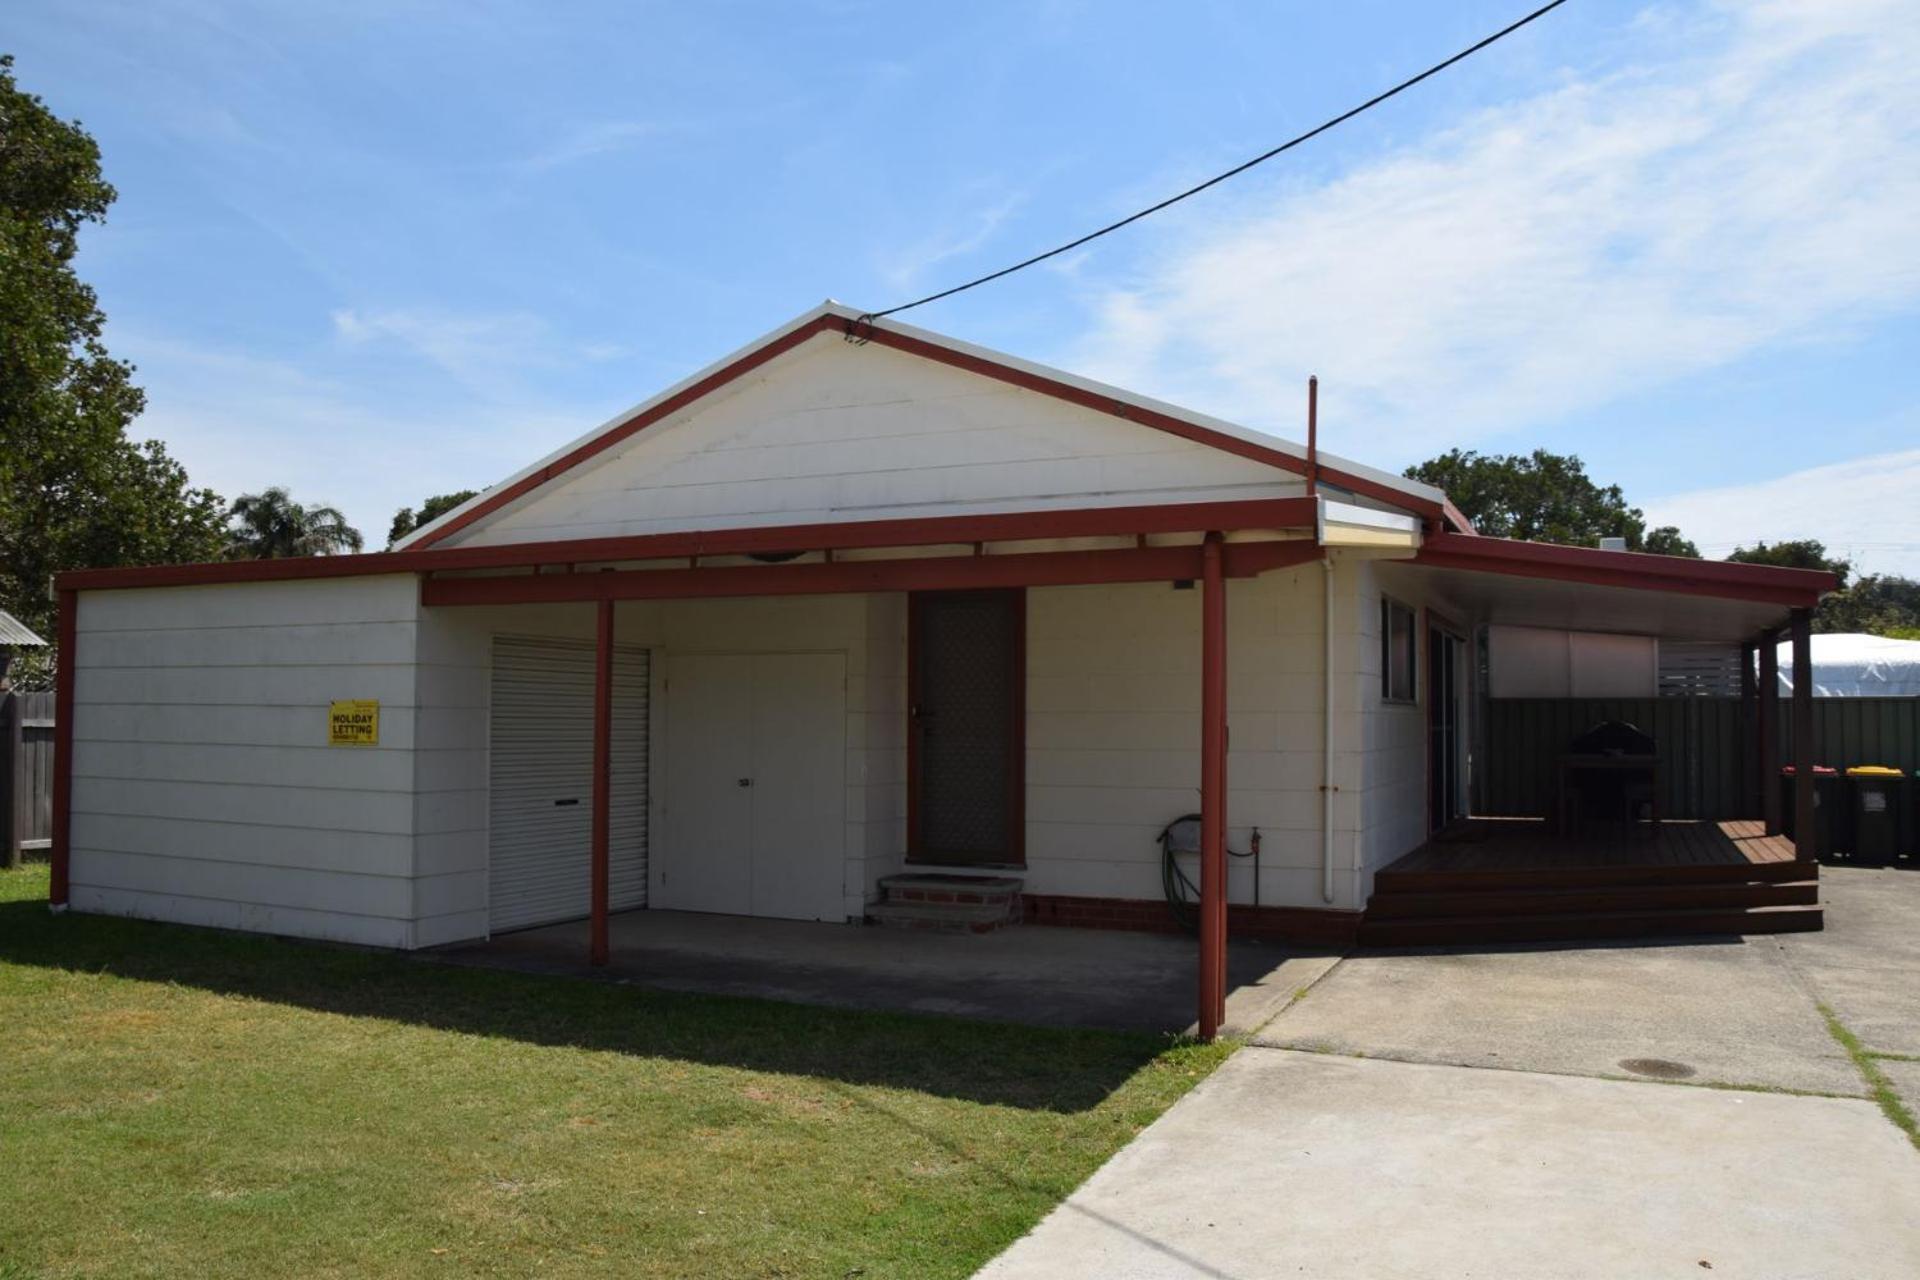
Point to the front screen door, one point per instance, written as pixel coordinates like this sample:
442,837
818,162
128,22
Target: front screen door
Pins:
967,703
1446,794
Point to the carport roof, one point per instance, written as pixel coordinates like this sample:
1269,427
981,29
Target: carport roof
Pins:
1587,589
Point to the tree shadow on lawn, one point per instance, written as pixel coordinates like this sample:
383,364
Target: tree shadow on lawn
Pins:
1032,1068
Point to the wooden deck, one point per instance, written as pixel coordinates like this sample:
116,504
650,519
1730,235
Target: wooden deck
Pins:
1526,844
1513,879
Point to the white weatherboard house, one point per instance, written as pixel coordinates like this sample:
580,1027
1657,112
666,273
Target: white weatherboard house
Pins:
854,601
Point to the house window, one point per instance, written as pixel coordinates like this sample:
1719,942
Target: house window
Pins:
1397,657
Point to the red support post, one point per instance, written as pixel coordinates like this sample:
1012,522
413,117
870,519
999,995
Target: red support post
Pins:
65,662
1213,789
602,777
1770,732
1803,842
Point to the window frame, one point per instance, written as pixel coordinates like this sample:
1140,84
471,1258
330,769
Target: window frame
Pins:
1411,696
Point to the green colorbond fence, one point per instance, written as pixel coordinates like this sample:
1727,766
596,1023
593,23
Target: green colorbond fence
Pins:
1850,731
1705,745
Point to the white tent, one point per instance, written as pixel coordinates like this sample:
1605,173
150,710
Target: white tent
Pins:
1857,666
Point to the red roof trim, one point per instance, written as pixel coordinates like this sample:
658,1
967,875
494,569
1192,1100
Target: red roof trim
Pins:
943,573
968,361
1160,421
620,431
1765,584
1078,522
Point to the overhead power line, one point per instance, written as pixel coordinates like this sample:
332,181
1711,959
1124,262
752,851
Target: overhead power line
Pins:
1218,178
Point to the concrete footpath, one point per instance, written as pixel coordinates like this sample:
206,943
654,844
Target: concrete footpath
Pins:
1287,1163
1494,1112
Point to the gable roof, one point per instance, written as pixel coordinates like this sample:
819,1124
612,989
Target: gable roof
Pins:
830,319
14,632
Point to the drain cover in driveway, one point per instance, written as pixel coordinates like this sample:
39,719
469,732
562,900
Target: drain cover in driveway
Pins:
1658,1068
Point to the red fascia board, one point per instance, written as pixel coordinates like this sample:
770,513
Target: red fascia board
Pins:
1081,522
955,359
66,662
1764,584
950,573
613,435
1457,518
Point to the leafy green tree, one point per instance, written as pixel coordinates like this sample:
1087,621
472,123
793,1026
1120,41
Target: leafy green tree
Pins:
1544,497
405,521
1799,553
1880,605
271,526
75,492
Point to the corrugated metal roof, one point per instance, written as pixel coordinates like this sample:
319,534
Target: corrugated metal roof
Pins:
15,632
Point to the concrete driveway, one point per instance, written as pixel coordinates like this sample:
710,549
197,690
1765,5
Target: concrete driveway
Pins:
1496,1113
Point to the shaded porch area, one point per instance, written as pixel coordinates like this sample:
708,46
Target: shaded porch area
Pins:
1028,974
1517,880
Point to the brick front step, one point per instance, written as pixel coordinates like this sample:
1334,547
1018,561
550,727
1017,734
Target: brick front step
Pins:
942,917
947,903
1001,891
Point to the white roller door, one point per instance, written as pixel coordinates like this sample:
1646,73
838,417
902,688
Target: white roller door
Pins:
541,778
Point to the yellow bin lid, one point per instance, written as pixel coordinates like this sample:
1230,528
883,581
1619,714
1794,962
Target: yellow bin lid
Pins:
1873,771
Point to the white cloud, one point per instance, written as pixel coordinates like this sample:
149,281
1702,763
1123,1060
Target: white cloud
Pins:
239,423
584,142
481,351
1620,231
912,262
1867,509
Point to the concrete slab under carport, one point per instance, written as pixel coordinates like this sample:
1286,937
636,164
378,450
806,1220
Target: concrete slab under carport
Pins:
1730,1009
1287,1163
1024,973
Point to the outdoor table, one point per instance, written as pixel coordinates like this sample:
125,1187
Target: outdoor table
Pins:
1575,764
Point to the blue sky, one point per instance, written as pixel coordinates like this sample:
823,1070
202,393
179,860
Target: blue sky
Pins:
378,251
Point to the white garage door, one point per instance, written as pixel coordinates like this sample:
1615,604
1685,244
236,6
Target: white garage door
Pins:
754,786
541,775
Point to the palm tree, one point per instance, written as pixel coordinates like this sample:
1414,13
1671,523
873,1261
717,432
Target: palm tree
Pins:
272,526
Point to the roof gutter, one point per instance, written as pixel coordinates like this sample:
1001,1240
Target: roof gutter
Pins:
1633,570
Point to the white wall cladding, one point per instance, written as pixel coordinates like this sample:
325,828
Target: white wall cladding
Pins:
1395,734
833,431
203,788
204,791
1113,732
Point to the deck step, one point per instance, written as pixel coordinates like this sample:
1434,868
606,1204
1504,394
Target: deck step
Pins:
1594,877
1569,926
1574,899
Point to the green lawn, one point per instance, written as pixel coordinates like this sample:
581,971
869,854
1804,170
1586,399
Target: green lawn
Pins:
179,1102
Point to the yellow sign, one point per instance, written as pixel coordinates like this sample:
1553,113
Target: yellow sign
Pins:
354,724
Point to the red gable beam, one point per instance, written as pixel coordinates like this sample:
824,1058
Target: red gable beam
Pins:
1160,421
495,500
1765,584
947,573
1015,526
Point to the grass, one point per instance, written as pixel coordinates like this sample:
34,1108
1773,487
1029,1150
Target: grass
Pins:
186,1102
1877,1083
